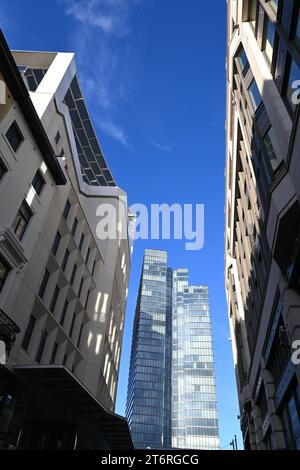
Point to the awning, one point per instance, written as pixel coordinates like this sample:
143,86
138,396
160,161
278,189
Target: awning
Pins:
64,387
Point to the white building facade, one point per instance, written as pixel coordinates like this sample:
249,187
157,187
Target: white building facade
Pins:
63,287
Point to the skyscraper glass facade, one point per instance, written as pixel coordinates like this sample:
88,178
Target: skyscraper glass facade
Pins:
148,400
171,400
194,406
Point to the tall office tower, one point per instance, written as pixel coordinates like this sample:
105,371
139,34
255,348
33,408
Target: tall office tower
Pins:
194,402
171,400
63,289
263,217
148,402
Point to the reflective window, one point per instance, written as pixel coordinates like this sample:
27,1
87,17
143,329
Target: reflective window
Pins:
22,219
253,13
272,150
254,94
28,333
269,38
243,61
293,86
14,136
3,170
38,182
297,35
4,270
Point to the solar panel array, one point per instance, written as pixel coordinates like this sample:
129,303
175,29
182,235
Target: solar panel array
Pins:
95,171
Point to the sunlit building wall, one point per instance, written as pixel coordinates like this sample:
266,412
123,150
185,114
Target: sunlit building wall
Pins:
263,216
63,286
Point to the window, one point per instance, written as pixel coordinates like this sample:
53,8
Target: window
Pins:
72,324
62,153
38,182
253,13
80,288
63,315
79,337
291,419
54,299
22,220
56,243
41,347
254,94
88,255
81,241
269,38
14,136
54,351
3,170
297,35
4,270
67,209
75,223
28,333
274,4
293,85
57,138
44,283
73,273
272,150
65,260
243,61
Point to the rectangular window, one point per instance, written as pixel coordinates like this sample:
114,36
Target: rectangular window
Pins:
88,255
81,241
254,94
72,324
291,420
44,283
14,136
253,13
243,61
297,35
3,170
67,209
79,337
272,150
54,351
28,333
73,274
65,260
22,220
54,299
56,243
64,312
75,223
41,347
4,270
57,138
269,38
38,182
80,288
293,85
274,4
65,359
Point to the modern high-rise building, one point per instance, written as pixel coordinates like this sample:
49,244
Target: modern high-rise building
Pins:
171,400
63,288
262,232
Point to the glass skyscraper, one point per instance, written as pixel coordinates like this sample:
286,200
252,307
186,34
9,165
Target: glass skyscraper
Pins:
171,401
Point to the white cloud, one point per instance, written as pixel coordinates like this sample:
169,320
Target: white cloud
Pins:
111,16
115,131
105,57
165,148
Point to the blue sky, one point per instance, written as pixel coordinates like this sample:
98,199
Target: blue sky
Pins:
153,73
